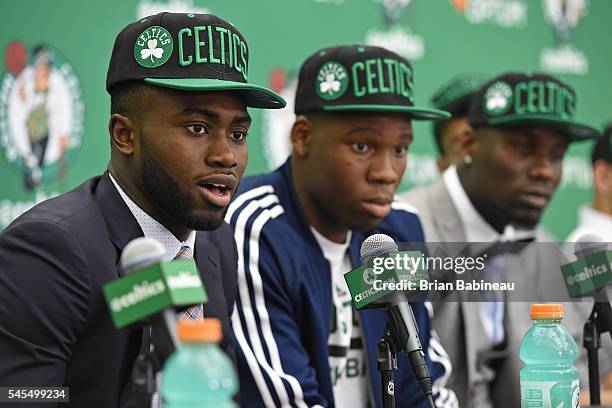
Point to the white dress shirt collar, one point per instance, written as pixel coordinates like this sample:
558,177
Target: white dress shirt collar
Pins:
477,229
153,229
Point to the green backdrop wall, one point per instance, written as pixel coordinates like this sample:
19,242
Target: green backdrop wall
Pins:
441,37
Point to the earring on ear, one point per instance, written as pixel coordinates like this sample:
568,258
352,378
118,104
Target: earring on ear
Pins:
467,159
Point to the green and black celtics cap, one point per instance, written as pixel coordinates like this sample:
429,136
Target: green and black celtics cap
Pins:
526,99
603,148
194,52
359,78
455,95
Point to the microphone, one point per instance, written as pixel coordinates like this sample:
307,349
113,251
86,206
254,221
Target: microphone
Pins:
592,271
588,276
402,324
150,291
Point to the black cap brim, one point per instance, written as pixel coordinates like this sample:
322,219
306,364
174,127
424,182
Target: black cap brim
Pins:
255,96
575,129
414,112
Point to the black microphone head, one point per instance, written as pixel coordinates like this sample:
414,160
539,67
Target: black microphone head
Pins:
589,244
376,245
141,252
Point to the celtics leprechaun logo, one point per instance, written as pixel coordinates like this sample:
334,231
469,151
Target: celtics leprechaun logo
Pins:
153,47
41,113
565,57
332,81
498,99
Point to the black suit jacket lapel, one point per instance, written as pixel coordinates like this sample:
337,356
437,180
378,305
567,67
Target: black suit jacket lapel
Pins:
206,256
208,260
120,222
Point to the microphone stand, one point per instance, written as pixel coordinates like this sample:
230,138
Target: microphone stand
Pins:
600,321
386,361
144,372
396,339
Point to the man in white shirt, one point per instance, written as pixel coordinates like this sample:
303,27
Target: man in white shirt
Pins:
596,218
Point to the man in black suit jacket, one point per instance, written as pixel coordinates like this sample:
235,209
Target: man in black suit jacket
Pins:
178,150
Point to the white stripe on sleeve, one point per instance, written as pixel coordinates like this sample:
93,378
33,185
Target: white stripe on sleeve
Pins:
255,355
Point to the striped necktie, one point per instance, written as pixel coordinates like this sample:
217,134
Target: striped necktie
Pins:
197,311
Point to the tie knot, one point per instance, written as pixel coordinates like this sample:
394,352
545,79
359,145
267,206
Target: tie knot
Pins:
184,253
197,311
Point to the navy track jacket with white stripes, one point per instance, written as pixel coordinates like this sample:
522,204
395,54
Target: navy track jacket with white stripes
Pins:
281,322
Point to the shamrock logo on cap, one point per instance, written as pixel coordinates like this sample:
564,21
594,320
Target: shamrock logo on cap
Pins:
153,47
332,81
498,98
152,51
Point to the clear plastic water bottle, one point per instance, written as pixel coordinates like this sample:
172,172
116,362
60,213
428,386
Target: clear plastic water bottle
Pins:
199,373
549,378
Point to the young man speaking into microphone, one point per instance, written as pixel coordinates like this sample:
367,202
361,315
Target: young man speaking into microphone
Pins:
299,230
178,126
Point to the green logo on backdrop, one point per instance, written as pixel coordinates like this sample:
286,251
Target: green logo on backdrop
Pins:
41,113
498,99
332,81
153,47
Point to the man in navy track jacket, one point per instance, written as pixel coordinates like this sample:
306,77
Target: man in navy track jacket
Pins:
298,229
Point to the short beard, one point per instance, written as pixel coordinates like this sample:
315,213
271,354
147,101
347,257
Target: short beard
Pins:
524,224
162,190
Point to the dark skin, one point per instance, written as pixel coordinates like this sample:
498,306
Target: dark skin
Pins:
513,174
454,133
602,186
180,155
347,167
